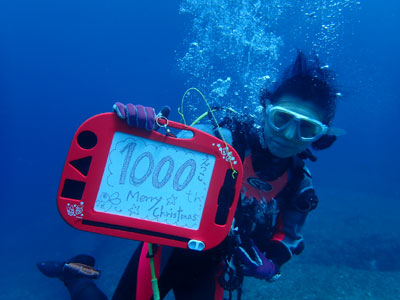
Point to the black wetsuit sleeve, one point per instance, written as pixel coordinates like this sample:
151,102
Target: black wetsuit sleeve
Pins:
287,239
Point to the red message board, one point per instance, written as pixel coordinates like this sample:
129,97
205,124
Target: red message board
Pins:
148,186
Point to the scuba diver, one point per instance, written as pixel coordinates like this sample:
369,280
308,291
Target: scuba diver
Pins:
276,196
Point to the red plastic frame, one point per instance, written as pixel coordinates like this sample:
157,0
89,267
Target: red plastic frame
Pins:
81,214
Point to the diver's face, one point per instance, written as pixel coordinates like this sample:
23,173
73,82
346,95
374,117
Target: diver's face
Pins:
286,142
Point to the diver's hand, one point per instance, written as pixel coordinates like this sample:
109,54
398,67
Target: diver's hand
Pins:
255,263
139,116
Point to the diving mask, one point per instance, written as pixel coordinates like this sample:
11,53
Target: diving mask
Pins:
308,129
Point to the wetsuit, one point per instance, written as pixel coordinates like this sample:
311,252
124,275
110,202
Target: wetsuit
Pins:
276,196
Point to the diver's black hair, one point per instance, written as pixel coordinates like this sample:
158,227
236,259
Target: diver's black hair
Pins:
309,81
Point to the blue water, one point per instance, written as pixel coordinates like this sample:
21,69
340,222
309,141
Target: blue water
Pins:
62,62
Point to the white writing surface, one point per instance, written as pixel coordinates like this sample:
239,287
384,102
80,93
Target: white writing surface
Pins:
154,181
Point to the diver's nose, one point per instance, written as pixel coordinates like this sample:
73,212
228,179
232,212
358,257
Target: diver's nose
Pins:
290,132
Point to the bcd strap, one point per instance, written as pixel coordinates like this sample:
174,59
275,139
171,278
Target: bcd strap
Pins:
154,250
225,198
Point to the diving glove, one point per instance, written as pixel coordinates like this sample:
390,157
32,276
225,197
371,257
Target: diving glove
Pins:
254,262
139,116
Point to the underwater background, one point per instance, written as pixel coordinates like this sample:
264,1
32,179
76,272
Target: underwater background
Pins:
62,62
